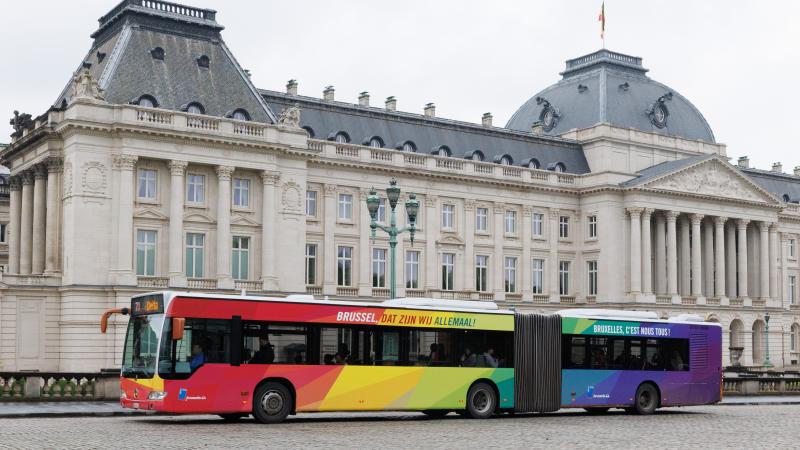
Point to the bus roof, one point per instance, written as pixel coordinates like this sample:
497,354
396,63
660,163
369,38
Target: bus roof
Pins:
647,316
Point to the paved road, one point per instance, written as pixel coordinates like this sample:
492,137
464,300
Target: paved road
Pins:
768,426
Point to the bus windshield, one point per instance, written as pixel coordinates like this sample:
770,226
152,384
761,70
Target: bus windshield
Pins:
141,346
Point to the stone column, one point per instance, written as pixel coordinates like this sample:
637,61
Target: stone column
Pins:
552,272
527,282
431,233
684,258
39,219
269,211
224,278
774,256
469,245
52,233
177,170
647,260
329,252
661,254
719,256
763,260
730,254
26,224
672,254
697,266
741,228
498,286
636,250
708,258
124,269
363,264
14,225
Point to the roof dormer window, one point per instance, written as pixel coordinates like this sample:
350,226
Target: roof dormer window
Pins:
408,146
203,62
375,142
310,131
341,138
147,101
505,160
240,114
533,163
443,150
476,155
195,108
157,53
558,167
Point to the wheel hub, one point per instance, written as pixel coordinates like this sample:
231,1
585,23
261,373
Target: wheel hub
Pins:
272,403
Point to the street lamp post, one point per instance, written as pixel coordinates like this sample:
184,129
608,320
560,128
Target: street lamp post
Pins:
767,362
412,208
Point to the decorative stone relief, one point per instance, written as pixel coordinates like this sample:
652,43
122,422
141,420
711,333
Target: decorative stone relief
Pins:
67,179
291,197
290,116
84,87
93,177
710,179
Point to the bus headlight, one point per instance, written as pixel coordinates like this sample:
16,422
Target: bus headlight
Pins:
156,395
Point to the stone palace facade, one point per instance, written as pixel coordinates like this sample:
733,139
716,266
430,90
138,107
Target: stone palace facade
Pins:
161,166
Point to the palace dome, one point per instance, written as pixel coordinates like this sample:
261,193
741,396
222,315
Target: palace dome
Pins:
613,88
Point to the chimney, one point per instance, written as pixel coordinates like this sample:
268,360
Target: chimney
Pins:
744,162
391,103
363,98
291,87
327,94
430,110
487,119
777,167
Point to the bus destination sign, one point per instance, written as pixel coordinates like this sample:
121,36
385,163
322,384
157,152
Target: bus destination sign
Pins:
151,304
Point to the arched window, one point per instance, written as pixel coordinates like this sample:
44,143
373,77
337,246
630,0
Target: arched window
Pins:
475,155
758,342
560,167
240,114
533,163
443,151
341,138
408,146
736,341
506,160
195,108
375,142
794,344
147,101
309,130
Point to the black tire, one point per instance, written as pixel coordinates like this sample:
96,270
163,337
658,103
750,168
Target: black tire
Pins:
435,413
272,403
646,400
597,410
481,401
232,417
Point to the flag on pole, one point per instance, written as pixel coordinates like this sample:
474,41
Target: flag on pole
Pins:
602,20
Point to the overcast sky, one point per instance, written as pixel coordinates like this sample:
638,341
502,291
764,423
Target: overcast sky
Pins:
738,62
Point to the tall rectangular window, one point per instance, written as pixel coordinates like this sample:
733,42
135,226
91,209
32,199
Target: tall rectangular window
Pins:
195,188
563,227
345,206
537,224
537,276
481,273
379,267
592,221
3,232
344,266
311,203
195,243
591,273
241,192
145,253
412,269
482,219
510,274
511,222
448,216
240,260
147,184
381,215
792,290
311,264
563,277
791,248
448,271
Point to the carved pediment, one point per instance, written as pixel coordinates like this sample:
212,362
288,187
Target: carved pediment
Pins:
149,213
198,217
451,240
712,178
238,219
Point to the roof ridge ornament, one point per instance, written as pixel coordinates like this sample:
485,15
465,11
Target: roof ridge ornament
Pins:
549,115
658,111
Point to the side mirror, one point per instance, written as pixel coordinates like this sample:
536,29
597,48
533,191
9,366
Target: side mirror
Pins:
177,328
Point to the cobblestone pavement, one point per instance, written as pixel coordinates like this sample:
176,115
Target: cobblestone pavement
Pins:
769,426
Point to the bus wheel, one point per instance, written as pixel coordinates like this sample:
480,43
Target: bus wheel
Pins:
481,401
646,399
233,417
435,413
597,410
272,403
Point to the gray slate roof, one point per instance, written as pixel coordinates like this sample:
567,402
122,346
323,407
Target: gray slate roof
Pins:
122,64
781,184
656,171
326,118
608,87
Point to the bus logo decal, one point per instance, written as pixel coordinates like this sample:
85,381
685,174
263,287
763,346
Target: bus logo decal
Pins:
182,394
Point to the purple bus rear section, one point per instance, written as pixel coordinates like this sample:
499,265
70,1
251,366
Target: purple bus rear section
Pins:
700,384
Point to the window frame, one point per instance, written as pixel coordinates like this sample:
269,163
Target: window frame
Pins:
540,269
312,197
482,273
241,250
591,226
563,227
379,269
448,271
510,222
311,264
344,266
348,206
592,277
194,248
411,275
510,274
145,198
563,277
153,247
448,212
482,219
245,187
194,201
540,216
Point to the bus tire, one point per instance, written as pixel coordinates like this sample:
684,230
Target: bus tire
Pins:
481,400
646,400
272,402
435,413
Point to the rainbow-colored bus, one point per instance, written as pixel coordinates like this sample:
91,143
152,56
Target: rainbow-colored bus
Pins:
272,357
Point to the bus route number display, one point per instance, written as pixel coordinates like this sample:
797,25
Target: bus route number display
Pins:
152,304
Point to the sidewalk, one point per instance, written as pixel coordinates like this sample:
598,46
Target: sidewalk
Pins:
10,410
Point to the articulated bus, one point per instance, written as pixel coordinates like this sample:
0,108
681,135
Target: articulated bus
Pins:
272,357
